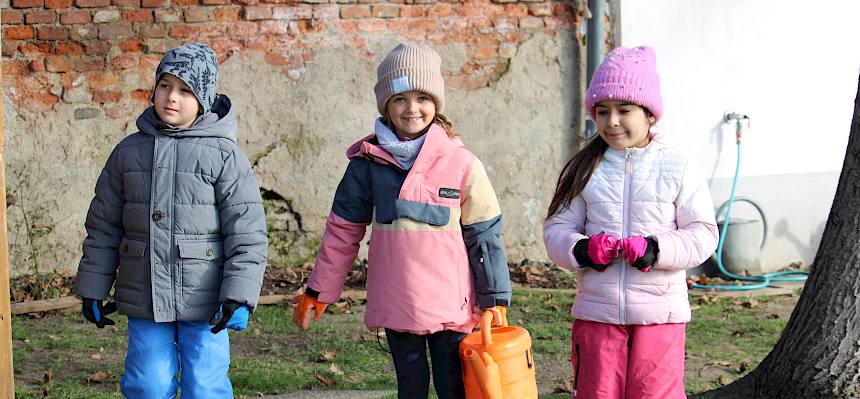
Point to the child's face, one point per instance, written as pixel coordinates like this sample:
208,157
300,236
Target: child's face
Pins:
174,101
622,124
411,112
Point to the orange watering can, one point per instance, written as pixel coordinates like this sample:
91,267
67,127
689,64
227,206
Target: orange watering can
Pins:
498,362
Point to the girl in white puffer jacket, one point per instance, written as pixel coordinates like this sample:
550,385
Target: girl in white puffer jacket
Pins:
630,215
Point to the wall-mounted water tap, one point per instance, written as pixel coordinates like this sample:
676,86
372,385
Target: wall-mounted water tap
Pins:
737,117
730,116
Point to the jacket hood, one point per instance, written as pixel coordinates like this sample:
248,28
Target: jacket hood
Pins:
220,121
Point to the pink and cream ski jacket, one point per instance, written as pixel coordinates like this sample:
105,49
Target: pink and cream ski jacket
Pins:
434,250
653,191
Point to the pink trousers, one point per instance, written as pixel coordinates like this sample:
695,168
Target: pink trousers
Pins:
628,362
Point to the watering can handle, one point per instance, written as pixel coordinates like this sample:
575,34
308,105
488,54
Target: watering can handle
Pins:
487,323
756,206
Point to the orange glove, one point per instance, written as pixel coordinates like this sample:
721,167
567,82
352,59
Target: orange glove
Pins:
499,312
302,314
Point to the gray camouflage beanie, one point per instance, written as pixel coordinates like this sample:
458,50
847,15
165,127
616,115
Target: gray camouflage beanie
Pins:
196,65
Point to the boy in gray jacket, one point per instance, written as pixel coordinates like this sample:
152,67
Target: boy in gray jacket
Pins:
177,228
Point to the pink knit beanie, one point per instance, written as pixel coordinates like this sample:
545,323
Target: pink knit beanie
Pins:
627,74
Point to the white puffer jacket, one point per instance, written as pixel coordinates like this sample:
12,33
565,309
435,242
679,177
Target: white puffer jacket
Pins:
653,191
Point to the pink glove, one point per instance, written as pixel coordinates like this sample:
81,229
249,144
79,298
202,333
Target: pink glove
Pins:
603,248
596,252
640,252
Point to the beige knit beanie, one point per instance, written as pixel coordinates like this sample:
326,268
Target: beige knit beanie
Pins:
410,66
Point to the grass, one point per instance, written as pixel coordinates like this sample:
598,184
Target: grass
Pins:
730,337
55,355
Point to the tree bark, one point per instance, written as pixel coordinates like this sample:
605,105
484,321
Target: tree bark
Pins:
818,354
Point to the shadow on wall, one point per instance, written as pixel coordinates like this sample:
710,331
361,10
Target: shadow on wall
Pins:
781,230
717,138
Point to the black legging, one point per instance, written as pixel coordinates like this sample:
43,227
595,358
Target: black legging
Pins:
409,352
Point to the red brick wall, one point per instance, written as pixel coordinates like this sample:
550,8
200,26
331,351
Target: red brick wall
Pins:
100,54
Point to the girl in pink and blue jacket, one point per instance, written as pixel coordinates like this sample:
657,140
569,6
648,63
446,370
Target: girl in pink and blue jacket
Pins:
435,254
630,214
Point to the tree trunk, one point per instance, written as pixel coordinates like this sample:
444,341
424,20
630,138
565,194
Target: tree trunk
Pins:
818,354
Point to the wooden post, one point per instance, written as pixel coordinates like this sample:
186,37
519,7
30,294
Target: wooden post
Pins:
7,383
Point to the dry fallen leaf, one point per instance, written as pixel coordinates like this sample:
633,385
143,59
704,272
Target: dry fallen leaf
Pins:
96,356
336,370
47,377
567,387
326,380
100,377
724,363
327,356
724,380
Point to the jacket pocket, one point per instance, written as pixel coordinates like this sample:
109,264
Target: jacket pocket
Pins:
133,269
202,266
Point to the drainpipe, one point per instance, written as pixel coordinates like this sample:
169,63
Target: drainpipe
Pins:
595,49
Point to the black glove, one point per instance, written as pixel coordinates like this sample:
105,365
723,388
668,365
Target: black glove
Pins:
95,312
230,314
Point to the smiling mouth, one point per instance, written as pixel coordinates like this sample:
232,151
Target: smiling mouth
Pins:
413,119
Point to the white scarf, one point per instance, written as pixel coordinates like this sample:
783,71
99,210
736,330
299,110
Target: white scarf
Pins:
404,152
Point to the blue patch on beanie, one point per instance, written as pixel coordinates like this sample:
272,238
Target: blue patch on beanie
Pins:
196,65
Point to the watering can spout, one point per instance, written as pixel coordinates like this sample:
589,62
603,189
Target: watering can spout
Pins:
486,373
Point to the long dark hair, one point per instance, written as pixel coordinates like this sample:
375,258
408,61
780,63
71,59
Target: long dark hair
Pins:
576,174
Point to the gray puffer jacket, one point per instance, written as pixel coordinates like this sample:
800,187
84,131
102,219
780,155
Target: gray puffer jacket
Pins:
177,222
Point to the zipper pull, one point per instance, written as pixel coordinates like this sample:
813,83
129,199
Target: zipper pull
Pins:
629,157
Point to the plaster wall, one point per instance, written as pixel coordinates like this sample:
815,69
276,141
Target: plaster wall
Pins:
295,130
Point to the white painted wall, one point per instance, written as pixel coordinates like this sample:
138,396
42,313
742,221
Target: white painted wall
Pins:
792,66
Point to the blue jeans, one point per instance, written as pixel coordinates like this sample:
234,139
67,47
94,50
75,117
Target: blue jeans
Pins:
409,352
158,351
